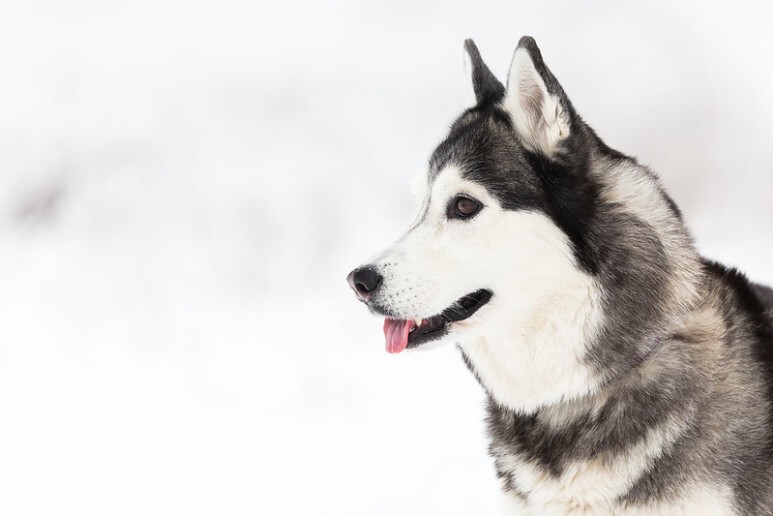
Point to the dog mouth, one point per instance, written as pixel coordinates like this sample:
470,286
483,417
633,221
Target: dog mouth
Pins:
410,333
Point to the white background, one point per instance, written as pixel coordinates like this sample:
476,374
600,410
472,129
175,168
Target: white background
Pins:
184,186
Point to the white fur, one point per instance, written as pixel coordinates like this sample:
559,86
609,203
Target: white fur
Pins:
544,309
419,189
533,357
538,116
703,500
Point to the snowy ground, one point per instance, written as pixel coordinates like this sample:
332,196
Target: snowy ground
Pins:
184,186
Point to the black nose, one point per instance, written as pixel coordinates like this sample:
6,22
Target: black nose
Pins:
364,281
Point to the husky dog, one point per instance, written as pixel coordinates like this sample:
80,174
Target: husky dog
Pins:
625,374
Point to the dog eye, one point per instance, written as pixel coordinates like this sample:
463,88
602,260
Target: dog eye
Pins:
463,208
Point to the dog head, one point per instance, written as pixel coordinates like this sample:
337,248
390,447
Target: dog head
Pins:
498,231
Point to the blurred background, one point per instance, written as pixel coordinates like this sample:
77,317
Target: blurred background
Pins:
184,186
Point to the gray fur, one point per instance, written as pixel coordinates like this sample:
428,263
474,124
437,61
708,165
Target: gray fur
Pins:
685,349
685,343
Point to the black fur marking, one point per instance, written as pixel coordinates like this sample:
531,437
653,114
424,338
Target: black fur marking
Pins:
488,89
634,271
764,294
571,202
753,300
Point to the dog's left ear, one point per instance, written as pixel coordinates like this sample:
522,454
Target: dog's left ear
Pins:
538,106
488,89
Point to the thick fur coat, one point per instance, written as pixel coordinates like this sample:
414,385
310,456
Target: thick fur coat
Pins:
625,374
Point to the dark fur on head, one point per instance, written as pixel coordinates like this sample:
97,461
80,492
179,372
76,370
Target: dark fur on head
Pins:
488,89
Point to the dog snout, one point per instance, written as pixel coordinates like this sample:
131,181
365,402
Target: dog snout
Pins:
364,281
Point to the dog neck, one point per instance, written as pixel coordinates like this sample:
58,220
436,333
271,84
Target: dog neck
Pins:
537,359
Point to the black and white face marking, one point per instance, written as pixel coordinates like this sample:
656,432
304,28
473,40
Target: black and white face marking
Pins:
483,187
413,317
468,264
570,271
499,238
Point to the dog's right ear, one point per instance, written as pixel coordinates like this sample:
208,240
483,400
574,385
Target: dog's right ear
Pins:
488,89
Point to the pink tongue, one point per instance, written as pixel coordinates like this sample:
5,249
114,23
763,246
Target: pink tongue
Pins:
396,332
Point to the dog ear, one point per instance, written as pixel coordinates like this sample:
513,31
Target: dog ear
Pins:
488,89
538,106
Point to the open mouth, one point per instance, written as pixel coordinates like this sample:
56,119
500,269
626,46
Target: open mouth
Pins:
401,334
